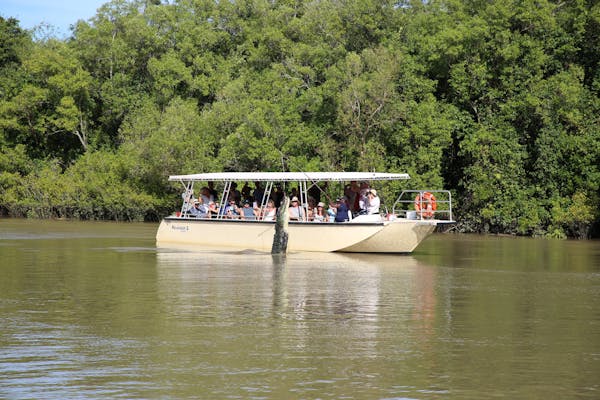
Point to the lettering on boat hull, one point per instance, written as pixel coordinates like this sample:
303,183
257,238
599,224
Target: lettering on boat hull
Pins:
180,228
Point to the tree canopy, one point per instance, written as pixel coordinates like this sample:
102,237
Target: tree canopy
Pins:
497,101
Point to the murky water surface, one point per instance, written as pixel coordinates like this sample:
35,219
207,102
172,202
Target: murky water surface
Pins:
94,310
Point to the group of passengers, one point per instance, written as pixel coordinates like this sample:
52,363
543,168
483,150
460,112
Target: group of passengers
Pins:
204,206
239,205
358,199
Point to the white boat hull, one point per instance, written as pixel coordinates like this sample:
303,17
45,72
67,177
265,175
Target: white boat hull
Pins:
397,236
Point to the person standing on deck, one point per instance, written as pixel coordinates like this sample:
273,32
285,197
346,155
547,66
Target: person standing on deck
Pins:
372,203
258,194
342,211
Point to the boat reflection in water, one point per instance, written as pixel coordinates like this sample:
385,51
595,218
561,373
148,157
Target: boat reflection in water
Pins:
301,297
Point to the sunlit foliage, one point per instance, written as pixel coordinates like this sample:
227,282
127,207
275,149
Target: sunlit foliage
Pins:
497,101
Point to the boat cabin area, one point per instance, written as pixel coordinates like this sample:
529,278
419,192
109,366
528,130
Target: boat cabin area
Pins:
313,197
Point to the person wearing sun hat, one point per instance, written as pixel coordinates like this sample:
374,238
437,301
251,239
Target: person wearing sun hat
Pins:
296,212
200,210
372,203
321,213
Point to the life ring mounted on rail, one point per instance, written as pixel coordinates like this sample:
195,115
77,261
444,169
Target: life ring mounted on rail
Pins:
425,204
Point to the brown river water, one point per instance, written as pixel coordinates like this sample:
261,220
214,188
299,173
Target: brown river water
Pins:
94,311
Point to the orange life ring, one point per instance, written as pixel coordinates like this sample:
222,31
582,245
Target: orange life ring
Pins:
425,204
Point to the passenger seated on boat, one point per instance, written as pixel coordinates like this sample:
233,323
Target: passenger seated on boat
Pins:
320,215
372,203
246,192
211,190
342,213
249,212
206,196
234,193
232,211
199,210
311,209
296,212
213,211
258,193
270,212
331,212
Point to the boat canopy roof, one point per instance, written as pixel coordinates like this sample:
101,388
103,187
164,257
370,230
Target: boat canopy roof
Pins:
290,176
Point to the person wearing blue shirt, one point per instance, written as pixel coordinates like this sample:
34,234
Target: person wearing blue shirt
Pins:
248,212
232,211
342,214
199,210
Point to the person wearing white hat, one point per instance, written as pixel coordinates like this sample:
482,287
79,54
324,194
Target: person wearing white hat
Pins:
296,212
372,203
320,213
200,210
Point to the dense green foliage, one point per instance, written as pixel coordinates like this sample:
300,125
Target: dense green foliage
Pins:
498,101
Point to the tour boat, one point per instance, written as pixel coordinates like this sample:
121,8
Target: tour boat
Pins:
398,229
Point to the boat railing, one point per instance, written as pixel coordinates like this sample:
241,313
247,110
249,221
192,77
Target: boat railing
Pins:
424,205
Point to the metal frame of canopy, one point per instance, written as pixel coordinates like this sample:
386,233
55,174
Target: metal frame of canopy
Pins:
291,176
302,178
